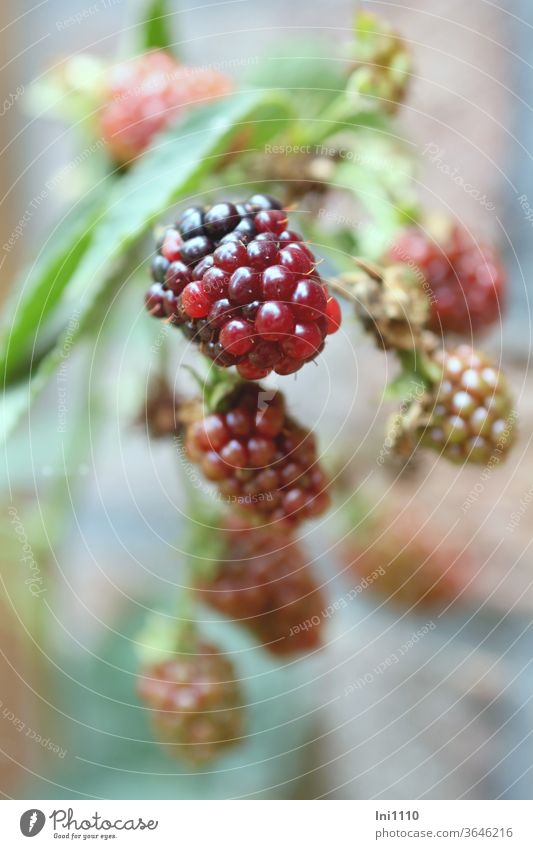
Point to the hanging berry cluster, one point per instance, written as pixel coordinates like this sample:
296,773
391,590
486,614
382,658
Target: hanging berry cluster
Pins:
245,288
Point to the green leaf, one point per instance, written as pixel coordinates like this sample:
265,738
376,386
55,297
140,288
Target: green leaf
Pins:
156,31
39,289
306,70
169,170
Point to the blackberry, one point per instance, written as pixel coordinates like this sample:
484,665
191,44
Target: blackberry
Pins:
260,459
243,287
407,564
145,95
468,417
196,703
264,582
465,281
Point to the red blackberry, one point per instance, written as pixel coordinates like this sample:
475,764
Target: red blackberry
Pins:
261,460
465,281
243,287
468,417
146,94
408,564
264,582
196,703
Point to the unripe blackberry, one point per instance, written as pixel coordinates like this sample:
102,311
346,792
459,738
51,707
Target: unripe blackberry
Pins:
468,416
390,304
465,281
196,703
243,287
146,94
264,582
407,564
260,459
382,63
161,414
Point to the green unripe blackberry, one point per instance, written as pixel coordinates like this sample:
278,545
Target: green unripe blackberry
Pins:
469,415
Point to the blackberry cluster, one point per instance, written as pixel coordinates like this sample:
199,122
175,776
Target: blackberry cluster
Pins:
196,703
146,94
264,582
261,460
407,565
465,281
243,287
469,416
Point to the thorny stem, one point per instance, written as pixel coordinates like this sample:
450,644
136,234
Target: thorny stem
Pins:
202,544
217,383
342,286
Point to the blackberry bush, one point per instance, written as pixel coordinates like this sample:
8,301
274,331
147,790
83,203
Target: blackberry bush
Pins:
261,460
264,582
244,287
195,702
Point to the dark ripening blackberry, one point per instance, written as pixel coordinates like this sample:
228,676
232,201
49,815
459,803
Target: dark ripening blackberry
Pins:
196,703
260,459
264,582
465,281
469,415
243,287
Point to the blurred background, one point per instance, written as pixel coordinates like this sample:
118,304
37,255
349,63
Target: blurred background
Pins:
401,702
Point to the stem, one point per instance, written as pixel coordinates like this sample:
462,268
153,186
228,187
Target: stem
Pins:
202,542
344,284
416,363
338,112
185,640
343,287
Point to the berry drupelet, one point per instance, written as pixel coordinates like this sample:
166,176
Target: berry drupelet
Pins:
243,287
468,416
465,281
146,94
264,582
196,703
260,459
